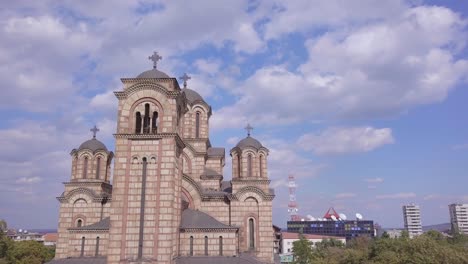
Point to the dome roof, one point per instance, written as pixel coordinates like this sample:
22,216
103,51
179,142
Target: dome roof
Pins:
93,145
192,96
154,73
249,142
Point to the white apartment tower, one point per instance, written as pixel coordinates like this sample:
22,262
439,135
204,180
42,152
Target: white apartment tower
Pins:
412,218
459,218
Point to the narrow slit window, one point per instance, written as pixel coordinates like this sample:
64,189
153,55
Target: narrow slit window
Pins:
251,234
249,165
261,165
146,120
98,167
85,168
220,245
82,246
154,125
191,246
206,246
79,223
97,247
197,125
138,123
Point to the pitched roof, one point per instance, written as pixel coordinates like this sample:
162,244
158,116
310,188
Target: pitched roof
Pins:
241,259
215,152
197,219
104,224
290,235
84,260
50,237
331,211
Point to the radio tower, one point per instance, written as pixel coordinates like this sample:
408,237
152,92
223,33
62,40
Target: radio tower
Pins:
292,205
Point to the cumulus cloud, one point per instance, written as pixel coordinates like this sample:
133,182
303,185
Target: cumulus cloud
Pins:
375,70
374,180
346,140
346,195
396,196
30,180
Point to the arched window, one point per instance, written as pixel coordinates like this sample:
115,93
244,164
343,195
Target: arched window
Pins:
249,165
251,234
239,167
206,246
261,165
137,123
97,247
82,246
85,168
178,115
79,223
146,120
98,167
154,125
220,245
191,246
197,125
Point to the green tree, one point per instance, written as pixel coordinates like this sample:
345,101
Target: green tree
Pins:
302,250
29,252
385,235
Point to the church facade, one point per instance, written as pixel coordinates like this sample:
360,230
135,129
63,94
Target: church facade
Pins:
169,201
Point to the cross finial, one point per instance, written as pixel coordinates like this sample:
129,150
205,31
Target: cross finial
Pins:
249,129
94,130
185,77
155,58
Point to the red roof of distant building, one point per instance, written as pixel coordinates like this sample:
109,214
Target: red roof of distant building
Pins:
331,212
50,237
290,235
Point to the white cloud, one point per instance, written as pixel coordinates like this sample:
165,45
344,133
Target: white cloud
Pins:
396,196
28,180
460,146
432,197
374,180
208,66
345,195
346,140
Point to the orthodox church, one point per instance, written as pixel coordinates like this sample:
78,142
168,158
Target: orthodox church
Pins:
169,201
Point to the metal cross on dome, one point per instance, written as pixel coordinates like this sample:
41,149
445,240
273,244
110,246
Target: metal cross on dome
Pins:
185,77
94,130
249,129
155,58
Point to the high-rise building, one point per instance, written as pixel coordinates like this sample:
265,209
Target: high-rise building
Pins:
412,218
459,218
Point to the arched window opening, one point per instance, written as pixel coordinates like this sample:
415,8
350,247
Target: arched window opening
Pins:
82,246
206,246
146,120
178,115
239,167
98,167
191,246
251,234
249,165
197,125
79,223
97,247
85,168
138,123
261,165
154,125
220,245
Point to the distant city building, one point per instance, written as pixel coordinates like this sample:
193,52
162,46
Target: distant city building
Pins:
24,235
333,224
288,238
394,233
50,239
459,218
412,219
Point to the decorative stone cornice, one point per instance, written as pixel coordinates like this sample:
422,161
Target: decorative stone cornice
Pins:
258,191
103,197
78,230
148,84
250,181
209,230
129,136
205,195
218,177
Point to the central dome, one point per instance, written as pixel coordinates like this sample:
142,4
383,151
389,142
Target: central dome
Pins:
192,96
154,73
93,145
249,142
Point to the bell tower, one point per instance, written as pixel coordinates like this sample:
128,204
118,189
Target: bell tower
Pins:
145,211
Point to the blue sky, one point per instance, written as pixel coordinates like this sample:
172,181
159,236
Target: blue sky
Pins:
361,100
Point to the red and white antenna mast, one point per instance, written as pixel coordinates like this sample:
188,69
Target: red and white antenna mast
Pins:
292,205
